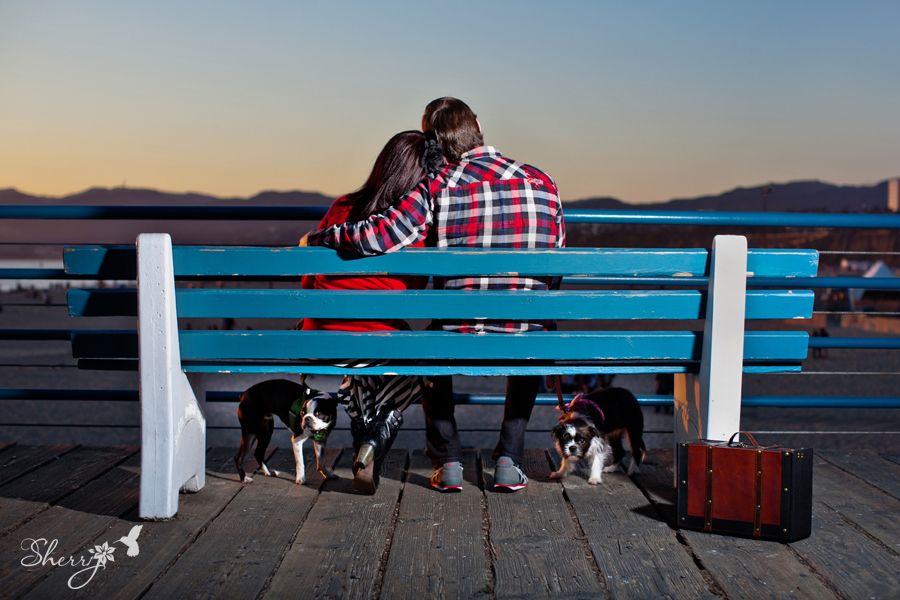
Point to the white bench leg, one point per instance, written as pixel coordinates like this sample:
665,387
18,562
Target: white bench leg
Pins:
173,430
708,405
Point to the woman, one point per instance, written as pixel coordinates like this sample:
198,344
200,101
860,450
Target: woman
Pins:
377,402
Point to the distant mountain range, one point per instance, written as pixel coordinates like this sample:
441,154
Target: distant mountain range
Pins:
41,239
142,196
793,196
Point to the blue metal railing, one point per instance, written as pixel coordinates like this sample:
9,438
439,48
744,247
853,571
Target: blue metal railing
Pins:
314,213
871,343
862,283
474,399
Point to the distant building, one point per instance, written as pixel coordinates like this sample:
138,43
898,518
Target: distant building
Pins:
893,202
878,269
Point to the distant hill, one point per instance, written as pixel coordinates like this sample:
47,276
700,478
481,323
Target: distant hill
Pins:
22,240
27,233
142,196
794,196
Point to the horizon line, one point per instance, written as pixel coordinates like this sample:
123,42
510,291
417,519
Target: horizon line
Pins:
328,196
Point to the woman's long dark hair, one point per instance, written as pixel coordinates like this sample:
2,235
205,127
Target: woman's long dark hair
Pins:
397,170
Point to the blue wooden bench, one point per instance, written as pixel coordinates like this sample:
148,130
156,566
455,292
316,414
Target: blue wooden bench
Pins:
708,364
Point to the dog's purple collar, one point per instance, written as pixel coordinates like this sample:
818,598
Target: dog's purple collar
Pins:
580,399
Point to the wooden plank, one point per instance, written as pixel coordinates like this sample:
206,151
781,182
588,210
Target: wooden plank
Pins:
114,493
868,466
65,474
454,369
104,262
636,551
854,564
69,529
160,543
431,345
743,568
70,526
20,459
243,545
424,345
894,458
118,262
5,445
222,261
338,552
15,511
116,302
868,507
446,304
444,262
439,547
45,476
535,540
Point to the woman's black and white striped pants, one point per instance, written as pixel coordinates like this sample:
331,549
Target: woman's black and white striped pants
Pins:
369,395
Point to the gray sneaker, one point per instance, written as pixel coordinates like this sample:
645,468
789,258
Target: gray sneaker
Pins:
448,478
508,477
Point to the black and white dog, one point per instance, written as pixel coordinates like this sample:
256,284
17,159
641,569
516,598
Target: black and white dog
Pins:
308,413
591,429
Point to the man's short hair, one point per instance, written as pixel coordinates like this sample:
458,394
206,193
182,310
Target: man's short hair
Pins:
453,124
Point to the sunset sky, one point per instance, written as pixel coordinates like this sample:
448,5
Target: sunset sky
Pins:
644,101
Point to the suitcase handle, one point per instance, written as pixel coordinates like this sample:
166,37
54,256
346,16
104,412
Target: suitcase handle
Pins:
746,434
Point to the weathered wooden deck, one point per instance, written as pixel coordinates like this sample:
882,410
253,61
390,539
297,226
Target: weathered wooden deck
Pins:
275,539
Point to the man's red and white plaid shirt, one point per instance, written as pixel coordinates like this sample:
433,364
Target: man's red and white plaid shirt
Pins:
485,201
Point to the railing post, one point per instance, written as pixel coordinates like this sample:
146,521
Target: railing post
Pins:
173,430
708,405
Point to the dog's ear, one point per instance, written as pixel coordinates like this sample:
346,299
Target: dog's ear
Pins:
328,404
593,431
558,431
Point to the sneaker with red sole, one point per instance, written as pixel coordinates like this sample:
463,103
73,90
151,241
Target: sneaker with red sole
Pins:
448,478
508,477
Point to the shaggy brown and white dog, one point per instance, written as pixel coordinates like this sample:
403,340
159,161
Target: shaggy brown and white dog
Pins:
591,430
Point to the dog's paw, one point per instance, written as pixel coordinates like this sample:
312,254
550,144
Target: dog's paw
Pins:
300,480
595,481
611,468
327,474
247,479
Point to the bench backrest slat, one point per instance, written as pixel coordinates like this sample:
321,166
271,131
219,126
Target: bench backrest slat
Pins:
439,345
474,370
430,304
207,261
606,345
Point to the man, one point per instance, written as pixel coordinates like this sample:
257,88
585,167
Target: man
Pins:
479,199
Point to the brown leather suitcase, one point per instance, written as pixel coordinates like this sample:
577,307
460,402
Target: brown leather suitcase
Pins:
745,489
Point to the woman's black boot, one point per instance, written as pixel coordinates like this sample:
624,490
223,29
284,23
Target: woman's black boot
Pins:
374,447
359,431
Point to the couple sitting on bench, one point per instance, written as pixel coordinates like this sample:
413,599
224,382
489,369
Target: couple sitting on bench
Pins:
440,187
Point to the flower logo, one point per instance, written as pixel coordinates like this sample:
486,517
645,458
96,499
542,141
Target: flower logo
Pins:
103,554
